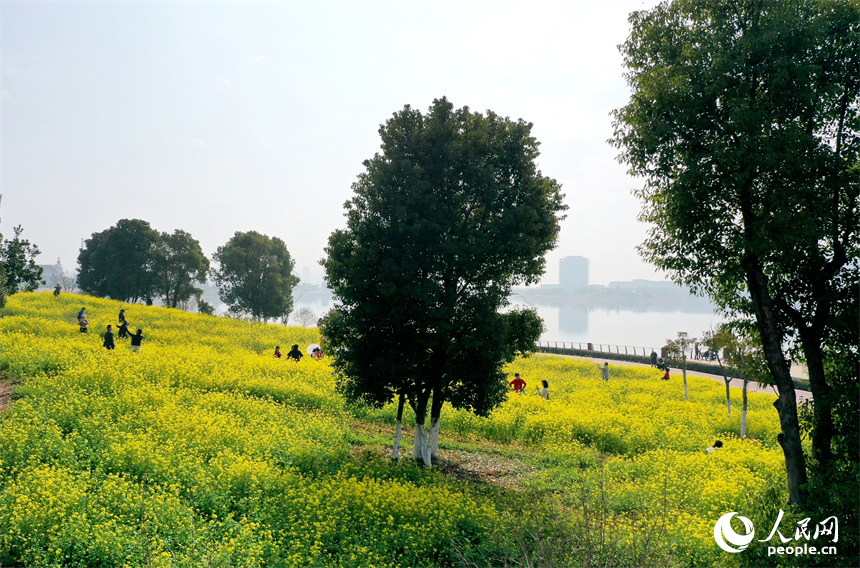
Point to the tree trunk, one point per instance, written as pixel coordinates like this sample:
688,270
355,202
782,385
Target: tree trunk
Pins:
744,411
822,433
684,372
786,404
421,448
435,420
398,429
727,381
728,396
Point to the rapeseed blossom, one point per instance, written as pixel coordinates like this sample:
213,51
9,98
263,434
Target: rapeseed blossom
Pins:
204,449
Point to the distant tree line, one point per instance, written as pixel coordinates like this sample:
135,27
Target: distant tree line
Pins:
133,262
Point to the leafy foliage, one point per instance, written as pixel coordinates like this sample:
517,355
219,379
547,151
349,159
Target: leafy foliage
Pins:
117,263
255,275
744,124
132,262
18,268
444,221
178,263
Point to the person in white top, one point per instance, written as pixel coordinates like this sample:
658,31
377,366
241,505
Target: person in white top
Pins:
544,392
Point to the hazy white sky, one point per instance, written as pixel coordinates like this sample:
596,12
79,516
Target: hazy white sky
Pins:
217,117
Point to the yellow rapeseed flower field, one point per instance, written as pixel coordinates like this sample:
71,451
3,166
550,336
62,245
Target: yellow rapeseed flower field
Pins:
206,450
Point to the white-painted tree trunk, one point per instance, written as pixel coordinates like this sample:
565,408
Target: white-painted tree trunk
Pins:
686,390
434,437
398,433
728,399
421,449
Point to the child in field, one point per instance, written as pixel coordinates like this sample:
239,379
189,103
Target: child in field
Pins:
278,351
84,323
518,384
717,445
122,330
666,376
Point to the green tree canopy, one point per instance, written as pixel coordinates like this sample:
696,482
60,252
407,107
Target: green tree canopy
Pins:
255,275
744,126
18,259
178,264
444,220
117,262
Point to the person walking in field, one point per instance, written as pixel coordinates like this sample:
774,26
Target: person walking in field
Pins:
544,391
136,339
518,384
84,323
605,370
108,339
122,316
57,291
122,330
82,313
295,354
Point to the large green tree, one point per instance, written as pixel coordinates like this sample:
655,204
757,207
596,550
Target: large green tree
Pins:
18,259
444,220
744,125
117,262
255,275
178,264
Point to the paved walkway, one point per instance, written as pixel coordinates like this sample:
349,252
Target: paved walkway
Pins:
802,396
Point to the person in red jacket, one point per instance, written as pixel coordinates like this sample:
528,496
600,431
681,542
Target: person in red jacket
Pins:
518,384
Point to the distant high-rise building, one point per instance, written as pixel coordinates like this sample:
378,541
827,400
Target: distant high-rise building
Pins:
573,273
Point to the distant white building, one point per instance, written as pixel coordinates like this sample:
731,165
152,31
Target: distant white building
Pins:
51,275
573,273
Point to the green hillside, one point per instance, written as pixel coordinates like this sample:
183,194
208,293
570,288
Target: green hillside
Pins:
205,450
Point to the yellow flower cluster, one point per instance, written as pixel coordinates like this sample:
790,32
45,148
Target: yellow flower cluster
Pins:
202,449
205,449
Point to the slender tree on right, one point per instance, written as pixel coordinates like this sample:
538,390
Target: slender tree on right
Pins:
678,348
744,127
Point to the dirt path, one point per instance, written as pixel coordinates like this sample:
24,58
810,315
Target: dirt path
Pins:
802,396
6,388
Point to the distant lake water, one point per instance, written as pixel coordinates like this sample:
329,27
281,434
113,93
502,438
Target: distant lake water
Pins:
645,324
601,324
